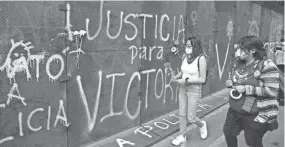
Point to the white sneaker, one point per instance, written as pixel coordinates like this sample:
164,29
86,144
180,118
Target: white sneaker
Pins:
179,139
204,131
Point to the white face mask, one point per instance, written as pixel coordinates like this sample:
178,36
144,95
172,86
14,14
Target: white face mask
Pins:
241,54
188,50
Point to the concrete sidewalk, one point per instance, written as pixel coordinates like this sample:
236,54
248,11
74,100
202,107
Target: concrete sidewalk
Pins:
156,130
215,121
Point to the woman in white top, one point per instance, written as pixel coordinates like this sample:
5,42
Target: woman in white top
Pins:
190,78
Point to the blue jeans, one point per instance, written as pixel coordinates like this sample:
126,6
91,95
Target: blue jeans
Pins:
188,97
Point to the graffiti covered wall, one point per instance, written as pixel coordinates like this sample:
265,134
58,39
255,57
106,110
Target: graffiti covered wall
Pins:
78,72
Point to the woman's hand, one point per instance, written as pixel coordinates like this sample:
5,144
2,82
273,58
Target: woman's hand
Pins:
239,88
257,73
179,81
229,83
175,77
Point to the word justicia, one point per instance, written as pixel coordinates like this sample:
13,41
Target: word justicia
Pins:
129,20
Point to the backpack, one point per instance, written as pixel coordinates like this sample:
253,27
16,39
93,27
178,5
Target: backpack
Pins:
199,68
280,97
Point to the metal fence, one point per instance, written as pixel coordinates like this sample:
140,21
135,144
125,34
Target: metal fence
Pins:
62,87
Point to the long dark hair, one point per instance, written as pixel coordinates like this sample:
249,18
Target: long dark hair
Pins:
196,48
248,43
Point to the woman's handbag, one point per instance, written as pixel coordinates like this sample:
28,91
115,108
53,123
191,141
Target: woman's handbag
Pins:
243,105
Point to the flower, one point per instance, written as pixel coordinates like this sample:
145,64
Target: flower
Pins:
167,64
173,49
176,42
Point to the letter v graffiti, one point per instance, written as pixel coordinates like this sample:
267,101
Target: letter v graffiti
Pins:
218,60
91,120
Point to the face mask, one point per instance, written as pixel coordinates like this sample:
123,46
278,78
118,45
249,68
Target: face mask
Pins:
240,54
188,50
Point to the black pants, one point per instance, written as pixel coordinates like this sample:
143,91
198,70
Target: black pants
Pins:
253,131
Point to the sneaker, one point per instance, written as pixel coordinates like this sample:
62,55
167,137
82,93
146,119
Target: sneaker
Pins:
179,139
204,131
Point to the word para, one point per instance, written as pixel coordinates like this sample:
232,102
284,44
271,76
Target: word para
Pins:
143,52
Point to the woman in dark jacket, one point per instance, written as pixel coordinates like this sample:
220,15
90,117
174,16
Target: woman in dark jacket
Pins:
253,99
